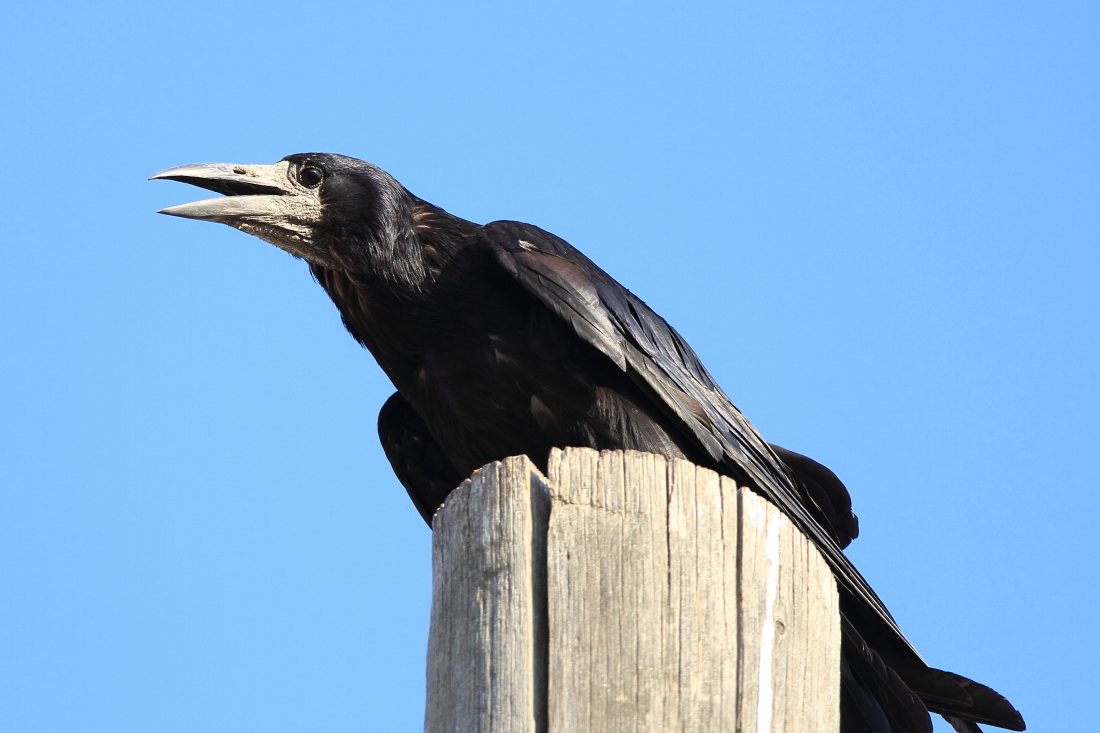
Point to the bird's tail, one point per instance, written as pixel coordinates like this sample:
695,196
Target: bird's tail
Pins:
883,693
988,706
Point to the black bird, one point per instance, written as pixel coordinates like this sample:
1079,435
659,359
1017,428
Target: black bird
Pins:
504,340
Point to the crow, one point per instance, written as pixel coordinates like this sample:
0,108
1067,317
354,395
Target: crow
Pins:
504,340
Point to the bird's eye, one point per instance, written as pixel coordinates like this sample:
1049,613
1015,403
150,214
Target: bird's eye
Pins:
310,176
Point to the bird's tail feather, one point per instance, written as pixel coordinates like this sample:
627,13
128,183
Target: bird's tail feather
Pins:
962,726
859,711
904,710
961,701
988,706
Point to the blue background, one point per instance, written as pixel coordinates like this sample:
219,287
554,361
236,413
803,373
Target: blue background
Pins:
877,225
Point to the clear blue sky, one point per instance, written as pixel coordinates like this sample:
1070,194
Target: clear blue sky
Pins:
877,225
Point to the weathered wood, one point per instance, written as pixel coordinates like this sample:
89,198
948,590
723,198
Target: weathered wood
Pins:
608,576
674,602
790,626
487,643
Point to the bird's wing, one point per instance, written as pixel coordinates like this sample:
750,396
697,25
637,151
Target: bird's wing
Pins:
417,460
822,489
613,320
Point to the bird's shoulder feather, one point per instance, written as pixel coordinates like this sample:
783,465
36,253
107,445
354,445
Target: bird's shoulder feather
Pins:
640,342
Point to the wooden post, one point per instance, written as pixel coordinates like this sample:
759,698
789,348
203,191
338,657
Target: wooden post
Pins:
626,592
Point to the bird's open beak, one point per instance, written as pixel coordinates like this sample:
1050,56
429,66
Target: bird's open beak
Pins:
249,190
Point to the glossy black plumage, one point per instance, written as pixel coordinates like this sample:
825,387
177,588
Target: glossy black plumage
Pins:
503,339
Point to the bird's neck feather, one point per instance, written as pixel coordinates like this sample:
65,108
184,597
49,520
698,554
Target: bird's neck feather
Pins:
378,283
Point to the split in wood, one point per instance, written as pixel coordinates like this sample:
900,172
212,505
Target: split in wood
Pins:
626,592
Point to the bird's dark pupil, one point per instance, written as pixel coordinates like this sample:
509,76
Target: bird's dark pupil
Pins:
309,176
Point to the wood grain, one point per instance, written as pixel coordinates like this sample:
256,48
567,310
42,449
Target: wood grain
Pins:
667,599
790,626
487,643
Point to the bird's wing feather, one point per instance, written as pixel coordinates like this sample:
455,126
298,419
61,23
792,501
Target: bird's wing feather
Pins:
419,463
613,320
822,489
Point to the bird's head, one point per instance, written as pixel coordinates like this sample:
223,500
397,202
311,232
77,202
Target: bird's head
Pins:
305,204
